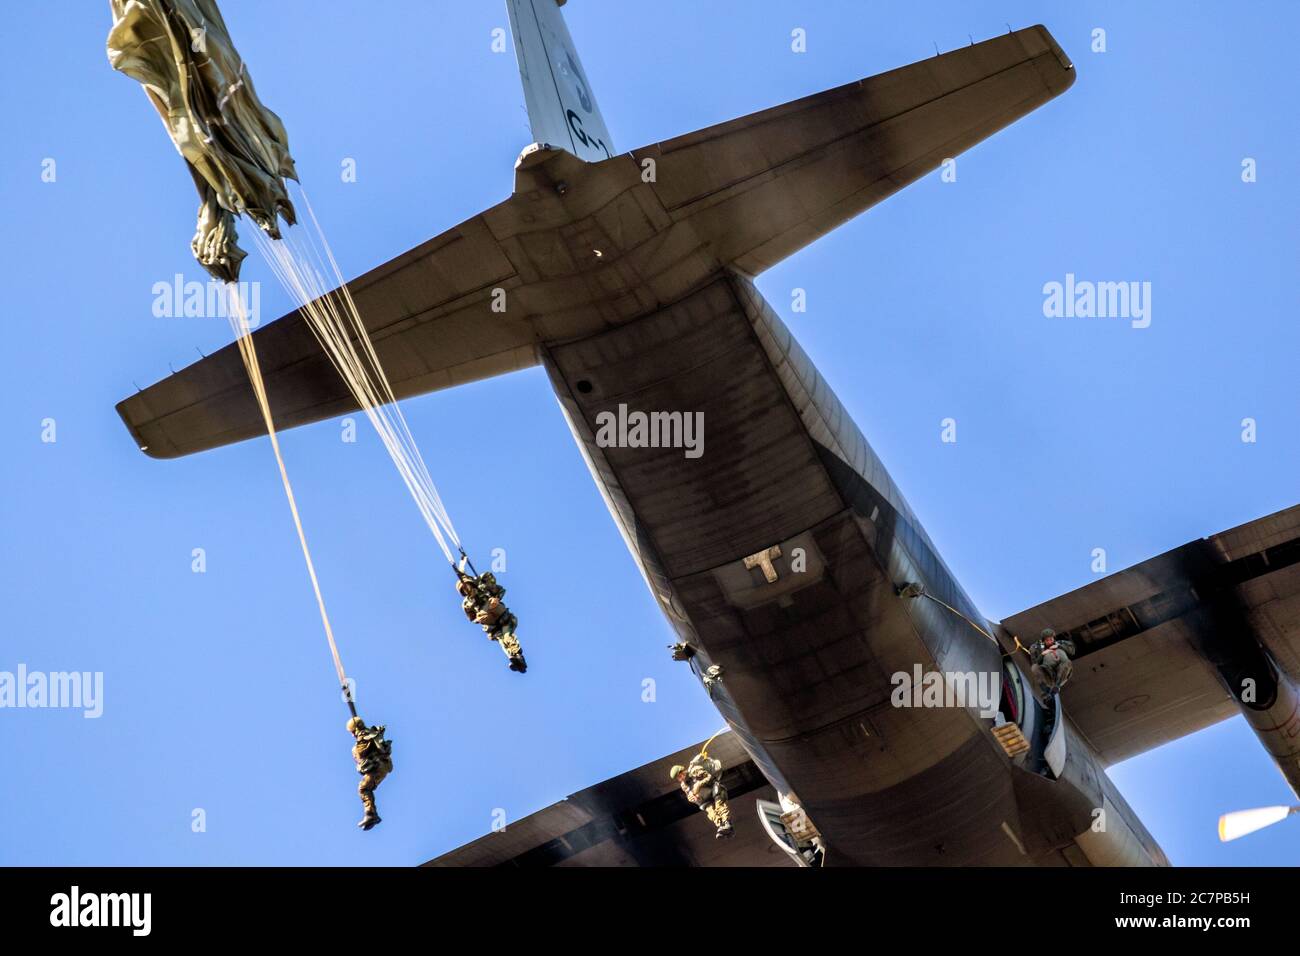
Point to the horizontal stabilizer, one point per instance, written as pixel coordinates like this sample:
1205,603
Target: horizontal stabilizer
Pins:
428,313
762,187
584,245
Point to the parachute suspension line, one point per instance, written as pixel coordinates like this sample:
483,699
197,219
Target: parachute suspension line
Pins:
388,404
336,323
239,323
323,312
328,326
364,337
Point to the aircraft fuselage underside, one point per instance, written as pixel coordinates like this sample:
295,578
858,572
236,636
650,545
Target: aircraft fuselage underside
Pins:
809,643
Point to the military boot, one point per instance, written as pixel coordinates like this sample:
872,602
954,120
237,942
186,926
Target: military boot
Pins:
372,815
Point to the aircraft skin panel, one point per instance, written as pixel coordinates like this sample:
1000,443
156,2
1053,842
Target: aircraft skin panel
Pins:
1274,602
562,110
764,186
808,660
734,502
639,818
1162,687
424,312
1273,597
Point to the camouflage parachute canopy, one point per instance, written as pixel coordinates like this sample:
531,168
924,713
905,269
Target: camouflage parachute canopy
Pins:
236,149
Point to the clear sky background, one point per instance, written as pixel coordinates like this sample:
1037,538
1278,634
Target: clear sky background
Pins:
1072,434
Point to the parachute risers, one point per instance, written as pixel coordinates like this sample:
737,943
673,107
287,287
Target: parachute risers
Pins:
373,771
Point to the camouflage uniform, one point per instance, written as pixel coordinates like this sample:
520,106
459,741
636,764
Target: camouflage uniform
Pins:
701,781
1051,667
482,604
374,757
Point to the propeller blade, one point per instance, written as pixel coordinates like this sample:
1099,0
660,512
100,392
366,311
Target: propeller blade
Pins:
1238,824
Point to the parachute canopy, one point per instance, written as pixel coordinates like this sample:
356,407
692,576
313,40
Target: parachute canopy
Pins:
236,149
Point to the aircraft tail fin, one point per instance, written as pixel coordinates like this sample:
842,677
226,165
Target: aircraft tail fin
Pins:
562,109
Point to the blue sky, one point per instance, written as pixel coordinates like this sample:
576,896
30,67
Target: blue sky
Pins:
1072,434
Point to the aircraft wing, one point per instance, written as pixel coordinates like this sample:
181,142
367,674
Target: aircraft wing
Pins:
761,187
1140,676
639,818
424,311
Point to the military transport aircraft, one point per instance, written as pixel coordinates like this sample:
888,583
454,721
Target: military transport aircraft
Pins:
781,552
